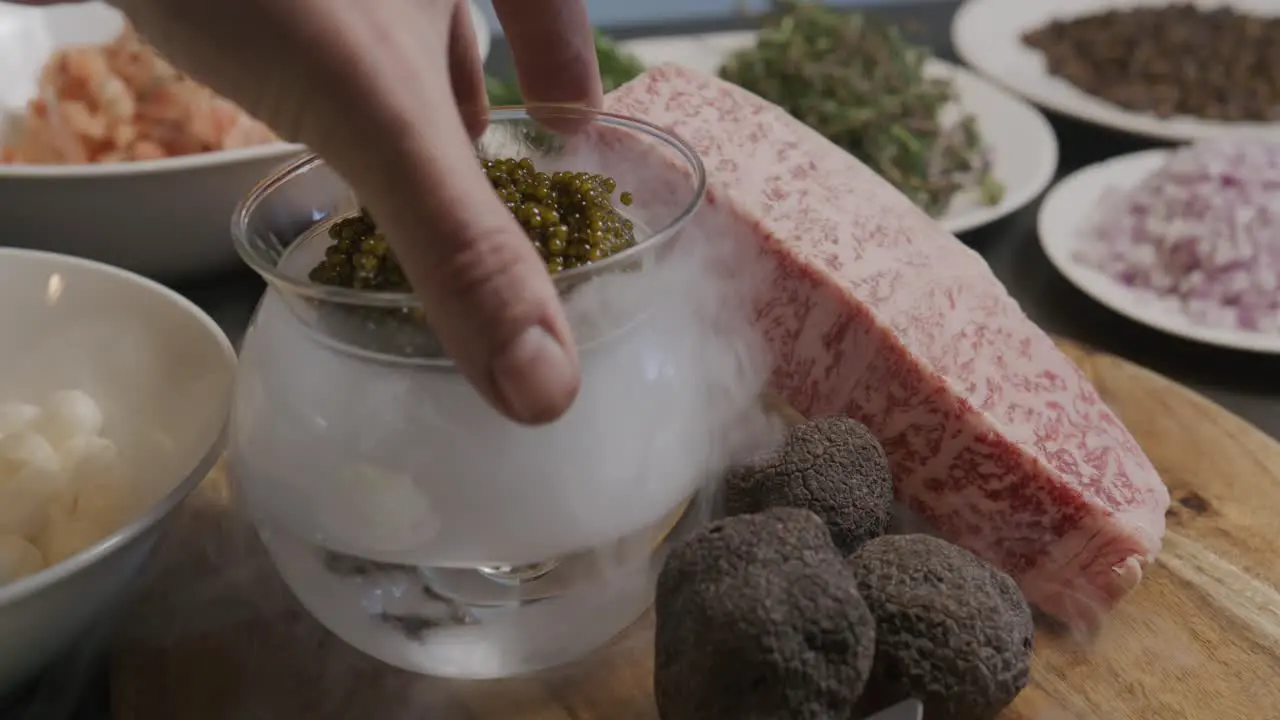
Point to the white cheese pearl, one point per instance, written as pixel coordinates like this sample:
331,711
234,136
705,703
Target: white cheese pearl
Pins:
86,457
103,496
22,449
27,498
23,512
65,536
106,503
18,559
15,416
50,482
69,414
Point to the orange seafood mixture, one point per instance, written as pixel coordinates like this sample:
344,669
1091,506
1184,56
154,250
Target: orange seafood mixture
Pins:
122,101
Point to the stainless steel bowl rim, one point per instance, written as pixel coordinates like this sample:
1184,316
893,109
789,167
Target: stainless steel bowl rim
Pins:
32,584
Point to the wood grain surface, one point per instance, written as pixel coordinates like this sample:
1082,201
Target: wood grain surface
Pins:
217,636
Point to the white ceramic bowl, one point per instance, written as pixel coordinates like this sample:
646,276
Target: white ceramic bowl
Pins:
163,372
166,218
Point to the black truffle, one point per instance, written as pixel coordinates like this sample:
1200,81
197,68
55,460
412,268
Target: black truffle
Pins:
951,630
831,466
759,618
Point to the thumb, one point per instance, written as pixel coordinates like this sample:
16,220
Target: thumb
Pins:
485,290
487,294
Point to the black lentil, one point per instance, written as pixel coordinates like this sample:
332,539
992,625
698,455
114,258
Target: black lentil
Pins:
1216,64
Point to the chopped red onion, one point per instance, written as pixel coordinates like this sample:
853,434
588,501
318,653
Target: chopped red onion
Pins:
1203,232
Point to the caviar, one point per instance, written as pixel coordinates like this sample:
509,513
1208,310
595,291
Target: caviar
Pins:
568,216
359,257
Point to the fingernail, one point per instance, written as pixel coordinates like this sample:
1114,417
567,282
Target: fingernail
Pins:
536,377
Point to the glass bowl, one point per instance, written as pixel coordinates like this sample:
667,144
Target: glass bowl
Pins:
411,518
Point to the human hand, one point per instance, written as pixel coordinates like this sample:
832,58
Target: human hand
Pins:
391,93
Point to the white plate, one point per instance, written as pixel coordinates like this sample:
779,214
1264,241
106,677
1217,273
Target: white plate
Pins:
1064,223
1024,149
987,35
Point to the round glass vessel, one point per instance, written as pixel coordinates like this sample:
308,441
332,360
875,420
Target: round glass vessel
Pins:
412,519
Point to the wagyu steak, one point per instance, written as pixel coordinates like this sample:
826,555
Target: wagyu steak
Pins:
871,309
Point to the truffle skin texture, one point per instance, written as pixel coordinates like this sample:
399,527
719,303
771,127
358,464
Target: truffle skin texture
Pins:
951,630
832,466
759,618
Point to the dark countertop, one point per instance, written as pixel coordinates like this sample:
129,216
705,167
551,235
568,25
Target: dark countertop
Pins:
1248,385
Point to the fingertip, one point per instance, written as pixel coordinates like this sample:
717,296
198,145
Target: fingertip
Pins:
536,376
553,44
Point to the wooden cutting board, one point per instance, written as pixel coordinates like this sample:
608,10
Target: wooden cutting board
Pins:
217,636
